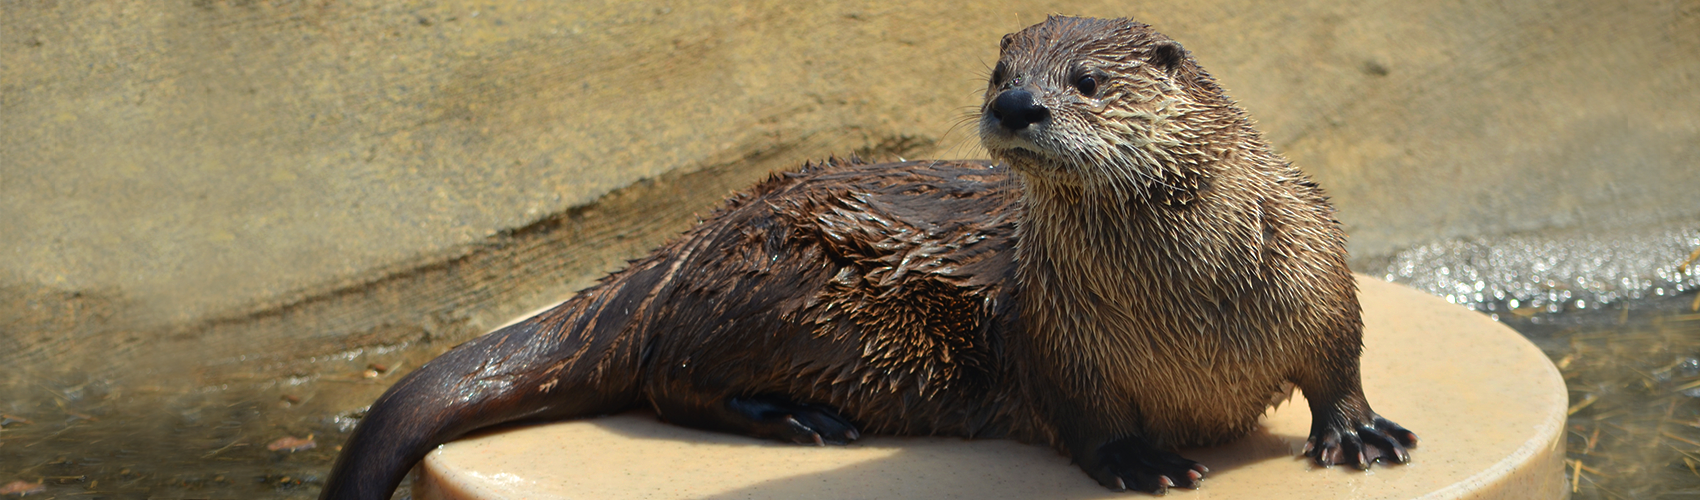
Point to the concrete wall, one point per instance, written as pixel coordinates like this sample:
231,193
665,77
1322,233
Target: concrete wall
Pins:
259,179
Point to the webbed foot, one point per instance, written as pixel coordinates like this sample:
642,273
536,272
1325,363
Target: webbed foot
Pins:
795,422
1131,463
1359,444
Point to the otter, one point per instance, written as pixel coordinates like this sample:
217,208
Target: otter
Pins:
1137,271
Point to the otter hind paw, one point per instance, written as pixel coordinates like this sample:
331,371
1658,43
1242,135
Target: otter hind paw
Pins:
1130,463
1378,440
795,422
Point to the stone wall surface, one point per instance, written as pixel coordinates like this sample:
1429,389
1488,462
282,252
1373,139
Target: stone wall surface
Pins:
274,180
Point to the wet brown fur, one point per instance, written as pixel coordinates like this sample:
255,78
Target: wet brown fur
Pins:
1144,268
1216,272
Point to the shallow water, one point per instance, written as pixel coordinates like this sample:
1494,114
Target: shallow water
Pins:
1633,370
86,439
237,438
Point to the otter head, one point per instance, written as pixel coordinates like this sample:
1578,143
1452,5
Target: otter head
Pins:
1104,106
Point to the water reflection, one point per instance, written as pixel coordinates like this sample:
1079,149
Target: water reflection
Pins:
1525,275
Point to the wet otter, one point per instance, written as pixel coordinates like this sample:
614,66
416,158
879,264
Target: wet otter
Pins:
1139,272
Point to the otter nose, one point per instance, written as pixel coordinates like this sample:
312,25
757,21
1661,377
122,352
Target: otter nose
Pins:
1016,109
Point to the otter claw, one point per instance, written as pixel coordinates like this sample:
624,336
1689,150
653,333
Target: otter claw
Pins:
1129,463
1375,441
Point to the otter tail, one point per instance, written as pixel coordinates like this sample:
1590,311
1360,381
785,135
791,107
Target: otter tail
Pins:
582,358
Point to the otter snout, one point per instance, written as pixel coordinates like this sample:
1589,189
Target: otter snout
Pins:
1015,109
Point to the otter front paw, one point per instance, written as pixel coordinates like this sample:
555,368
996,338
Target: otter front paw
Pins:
1365,443
1130,463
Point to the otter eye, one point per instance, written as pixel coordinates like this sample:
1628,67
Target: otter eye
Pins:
1087,84
999,73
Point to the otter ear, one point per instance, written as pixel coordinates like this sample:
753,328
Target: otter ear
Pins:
1007,39
1167,55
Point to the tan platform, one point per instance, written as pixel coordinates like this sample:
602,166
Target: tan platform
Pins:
1487,404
